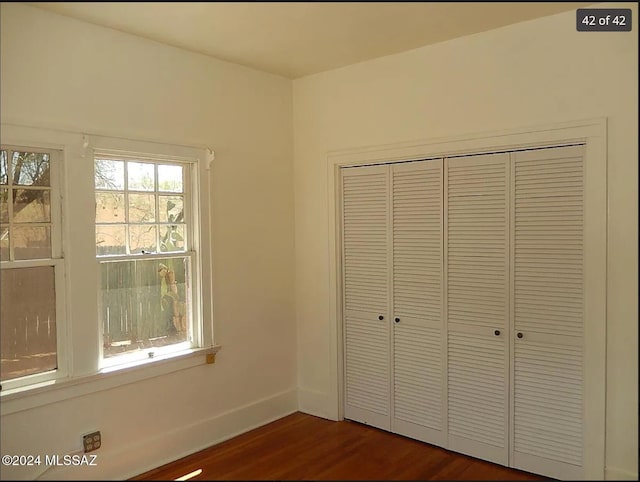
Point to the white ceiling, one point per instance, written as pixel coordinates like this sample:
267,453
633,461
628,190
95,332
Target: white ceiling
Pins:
301,38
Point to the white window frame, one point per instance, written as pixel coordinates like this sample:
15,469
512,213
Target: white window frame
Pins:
199,197
57,261
80,371
190,194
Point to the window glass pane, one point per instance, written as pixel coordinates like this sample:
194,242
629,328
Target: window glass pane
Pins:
144,303
4,205
169,178
30,168
141,176
172,238
142,208
31,242
4,179
110,207
142,238
4,243
31,206
171,209
28,323
109,174
110,240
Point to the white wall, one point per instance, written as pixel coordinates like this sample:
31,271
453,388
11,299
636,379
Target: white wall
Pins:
57,72
533,73
61,73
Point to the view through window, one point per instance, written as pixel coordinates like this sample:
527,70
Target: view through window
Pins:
29,258
142,241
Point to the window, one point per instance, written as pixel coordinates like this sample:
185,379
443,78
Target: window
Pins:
105,260
146,259
31,265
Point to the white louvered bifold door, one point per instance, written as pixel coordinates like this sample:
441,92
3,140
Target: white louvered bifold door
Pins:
365,250
548,311
477,308
418,364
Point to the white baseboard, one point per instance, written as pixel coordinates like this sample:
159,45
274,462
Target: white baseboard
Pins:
314,403
126,462
614,473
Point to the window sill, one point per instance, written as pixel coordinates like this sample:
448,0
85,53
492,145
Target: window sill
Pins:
32,396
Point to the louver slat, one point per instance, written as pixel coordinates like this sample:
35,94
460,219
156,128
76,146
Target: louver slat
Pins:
477,215
417,202
410,252
483,375
366,287
549,305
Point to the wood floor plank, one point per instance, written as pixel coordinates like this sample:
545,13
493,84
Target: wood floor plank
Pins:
304,447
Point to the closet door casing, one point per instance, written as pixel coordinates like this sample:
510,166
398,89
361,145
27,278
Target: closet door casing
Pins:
468,319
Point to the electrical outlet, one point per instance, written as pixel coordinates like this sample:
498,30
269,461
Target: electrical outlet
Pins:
92,441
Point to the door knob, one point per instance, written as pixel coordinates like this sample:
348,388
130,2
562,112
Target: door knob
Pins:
397,320
380,317
497,332
519,335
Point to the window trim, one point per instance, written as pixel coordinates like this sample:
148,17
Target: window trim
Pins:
84,375
196,198
189,193
57,390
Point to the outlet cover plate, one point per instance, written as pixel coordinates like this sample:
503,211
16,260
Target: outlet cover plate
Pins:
92,441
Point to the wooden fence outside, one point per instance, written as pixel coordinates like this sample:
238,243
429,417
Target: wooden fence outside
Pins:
137,303
27,321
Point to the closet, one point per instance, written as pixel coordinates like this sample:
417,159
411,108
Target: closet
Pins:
463,304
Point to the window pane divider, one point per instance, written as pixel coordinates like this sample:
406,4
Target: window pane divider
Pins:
10,202
32,263
34,224
30,187
156,202
150,256
127,248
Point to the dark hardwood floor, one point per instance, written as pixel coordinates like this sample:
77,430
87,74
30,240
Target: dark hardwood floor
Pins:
304,447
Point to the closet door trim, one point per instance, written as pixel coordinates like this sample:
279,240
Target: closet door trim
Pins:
328,401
